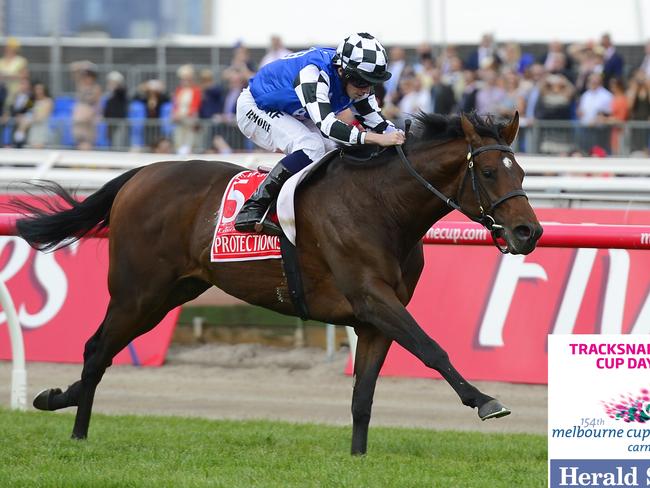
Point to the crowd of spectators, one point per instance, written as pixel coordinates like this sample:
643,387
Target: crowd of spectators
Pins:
585,82
590,83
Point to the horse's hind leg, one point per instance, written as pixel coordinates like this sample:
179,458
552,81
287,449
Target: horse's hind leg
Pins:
127,317
53,398
119,328
125,320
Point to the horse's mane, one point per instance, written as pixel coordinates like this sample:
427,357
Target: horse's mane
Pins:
426,128
436,127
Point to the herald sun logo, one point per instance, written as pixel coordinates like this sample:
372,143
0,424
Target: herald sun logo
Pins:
46,274
618,476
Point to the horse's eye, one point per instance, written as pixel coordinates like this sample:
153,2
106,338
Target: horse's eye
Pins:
488,173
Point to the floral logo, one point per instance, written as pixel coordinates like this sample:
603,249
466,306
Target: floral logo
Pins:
629,407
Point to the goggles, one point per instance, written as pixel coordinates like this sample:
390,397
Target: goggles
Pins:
357,81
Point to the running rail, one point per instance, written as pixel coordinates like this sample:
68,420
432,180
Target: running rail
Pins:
600,236
460,233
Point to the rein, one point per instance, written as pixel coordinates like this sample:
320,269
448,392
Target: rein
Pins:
485,219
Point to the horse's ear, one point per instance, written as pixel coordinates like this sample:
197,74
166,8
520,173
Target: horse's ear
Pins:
471,136
509,132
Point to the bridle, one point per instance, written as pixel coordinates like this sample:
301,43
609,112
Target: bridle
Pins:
485,218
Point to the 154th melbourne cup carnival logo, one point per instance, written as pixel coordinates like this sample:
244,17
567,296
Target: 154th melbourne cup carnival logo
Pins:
629,407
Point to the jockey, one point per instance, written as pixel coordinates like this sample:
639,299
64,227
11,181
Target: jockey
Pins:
290,106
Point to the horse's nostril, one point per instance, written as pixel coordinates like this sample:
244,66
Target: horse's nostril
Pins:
523,232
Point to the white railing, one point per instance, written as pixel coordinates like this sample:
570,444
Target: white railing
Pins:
539,165
18,370
88,170
548,177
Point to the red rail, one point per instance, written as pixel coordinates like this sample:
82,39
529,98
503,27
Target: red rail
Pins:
469,233
8,224
555,235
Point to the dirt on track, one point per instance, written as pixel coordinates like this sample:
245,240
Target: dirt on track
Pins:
251,381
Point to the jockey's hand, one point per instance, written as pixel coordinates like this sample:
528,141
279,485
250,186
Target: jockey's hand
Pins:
387,139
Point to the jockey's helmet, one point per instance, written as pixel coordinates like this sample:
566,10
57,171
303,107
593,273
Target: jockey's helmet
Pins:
363,60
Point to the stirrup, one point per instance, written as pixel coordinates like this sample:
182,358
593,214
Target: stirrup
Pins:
266,225
259,226
268,228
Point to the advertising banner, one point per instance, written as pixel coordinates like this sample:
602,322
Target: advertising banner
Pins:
492,313
599,410
61,299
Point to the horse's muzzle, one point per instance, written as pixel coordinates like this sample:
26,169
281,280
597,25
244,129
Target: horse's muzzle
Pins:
523,238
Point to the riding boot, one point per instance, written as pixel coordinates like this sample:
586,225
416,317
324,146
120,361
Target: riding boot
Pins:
251,217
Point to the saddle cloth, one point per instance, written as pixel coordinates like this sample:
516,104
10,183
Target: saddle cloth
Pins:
229,244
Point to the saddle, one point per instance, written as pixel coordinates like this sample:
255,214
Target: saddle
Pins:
363,153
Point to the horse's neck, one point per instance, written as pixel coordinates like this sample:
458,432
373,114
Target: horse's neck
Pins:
413,208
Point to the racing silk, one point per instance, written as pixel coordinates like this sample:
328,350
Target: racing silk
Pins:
306,84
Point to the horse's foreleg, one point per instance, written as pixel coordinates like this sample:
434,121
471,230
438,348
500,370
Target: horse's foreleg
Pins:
372,347
378,304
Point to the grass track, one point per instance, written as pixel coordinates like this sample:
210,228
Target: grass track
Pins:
129,451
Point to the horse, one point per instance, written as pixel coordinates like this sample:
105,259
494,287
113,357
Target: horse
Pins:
359,246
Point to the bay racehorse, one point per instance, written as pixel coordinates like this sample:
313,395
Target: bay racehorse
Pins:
359,245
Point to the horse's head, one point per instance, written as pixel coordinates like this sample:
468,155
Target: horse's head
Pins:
491,190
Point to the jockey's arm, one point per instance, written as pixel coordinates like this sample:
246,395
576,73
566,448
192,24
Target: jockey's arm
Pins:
367,111
382,130
312,87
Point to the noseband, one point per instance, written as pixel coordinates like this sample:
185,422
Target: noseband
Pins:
485,218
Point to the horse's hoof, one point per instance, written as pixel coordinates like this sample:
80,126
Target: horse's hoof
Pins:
43,400
78,437
492,410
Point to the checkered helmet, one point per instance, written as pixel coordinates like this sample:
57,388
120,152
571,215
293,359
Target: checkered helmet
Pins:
362,56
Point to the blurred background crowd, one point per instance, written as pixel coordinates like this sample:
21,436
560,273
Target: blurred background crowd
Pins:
584,98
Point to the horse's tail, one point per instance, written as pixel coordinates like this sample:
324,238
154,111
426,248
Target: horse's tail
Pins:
48,223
